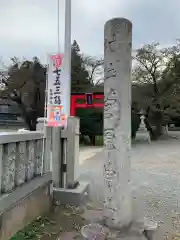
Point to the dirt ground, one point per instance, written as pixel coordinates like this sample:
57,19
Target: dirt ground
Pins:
62,223
55,225
156,191
155,179
62,220
65,223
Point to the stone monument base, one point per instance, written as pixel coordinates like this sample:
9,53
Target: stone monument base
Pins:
136,230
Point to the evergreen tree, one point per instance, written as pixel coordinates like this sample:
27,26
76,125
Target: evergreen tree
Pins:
79,74
25,85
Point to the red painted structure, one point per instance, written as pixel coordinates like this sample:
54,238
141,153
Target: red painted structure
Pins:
83,96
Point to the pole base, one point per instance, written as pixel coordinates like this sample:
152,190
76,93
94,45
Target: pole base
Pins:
76,197
93,231
73,185
97,229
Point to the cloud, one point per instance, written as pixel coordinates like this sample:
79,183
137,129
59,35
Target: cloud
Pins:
29,28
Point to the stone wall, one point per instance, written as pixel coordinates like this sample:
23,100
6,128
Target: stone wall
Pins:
25,182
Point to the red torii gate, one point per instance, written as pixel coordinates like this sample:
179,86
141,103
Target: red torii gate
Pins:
89,101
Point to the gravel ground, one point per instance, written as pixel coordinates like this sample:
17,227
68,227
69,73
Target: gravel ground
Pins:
155,181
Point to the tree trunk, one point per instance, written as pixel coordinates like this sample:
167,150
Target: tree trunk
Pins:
148,125
158,119
33,124
149,128
93,140
159,129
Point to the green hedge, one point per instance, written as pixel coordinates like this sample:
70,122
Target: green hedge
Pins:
91,122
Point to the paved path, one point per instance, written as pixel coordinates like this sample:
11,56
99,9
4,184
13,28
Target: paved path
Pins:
155,181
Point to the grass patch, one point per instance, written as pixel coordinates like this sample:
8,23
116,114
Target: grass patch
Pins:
59,220
33,231
85,141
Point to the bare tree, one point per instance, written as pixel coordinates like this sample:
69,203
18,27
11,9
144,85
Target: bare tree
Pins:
156,77
96,69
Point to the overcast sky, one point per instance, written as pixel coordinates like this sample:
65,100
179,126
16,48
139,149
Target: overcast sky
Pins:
29,27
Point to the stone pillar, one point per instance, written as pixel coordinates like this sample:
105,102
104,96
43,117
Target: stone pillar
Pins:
40,124
48,143
72,160
117,122
56,157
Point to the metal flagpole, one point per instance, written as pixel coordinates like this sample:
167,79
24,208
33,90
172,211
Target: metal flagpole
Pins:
56,131
67,69
67,52
58,27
